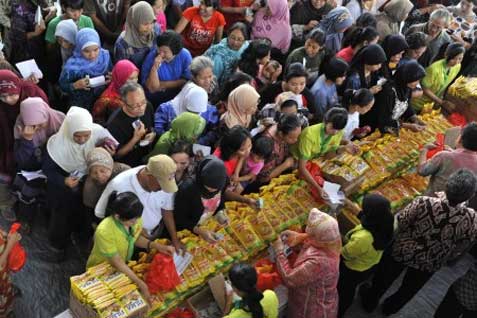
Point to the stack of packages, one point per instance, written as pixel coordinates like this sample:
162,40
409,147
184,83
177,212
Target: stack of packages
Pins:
463,93
108,293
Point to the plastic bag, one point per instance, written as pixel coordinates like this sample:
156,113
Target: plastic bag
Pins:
162,275
267,275
315,172
17,256
180,313
439,146
457,119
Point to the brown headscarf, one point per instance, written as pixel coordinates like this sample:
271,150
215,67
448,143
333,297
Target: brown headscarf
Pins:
139,13
242,104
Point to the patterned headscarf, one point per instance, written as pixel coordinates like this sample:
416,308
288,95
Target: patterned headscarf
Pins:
10,83
99,157
333,25
323,231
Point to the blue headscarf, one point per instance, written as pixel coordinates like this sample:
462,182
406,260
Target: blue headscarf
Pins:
77,63
336,20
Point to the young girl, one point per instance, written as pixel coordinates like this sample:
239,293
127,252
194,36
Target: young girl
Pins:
358,103
262,149
65,34
89,60
234,145
269,73
159,6
355,40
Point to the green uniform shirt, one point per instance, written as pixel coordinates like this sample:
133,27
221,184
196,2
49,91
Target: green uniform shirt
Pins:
314,143
358,252
269,304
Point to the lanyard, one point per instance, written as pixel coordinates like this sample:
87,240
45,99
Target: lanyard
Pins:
324,139
129,238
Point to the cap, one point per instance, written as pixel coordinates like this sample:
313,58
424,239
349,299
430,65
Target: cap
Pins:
163,168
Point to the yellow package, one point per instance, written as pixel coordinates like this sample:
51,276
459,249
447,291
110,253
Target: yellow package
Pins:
230,245
262,227
245,234
113,311
133,303
101,269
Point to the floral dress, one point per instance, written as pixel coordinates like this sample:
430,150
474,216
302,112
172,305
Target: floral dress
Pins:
6,290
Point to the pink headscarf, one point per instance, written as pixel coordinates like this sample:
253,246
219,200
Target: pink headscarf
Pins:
34,111
121,72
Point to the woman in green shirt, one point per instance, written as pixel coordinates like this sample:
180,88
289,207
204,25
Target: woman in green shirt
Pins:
363,246
438,76
322,140
252,303
118,234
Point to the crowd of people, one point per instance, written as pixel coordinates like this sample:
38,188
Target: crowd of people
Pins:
133,95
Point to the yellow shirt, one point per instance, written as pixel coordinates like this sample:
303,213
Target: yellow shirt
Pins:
358,252
111,238
269,304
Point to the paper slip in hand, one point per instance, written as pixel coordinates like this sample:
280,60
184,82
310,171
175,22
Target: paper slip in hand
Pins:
29,68
205,149
182,262
32,175
97,81
334,193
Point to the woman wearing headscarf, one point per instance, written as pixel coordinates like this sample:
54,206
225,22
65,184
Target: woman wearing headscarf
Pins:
13,91
135,42
390,18
438,77
65,34
110,99
304,16
394,46
312,278
35,124
101,169
187,126
393,103
363,71
334,24
273,22
363,246
64,167
192,98
89,60
242,105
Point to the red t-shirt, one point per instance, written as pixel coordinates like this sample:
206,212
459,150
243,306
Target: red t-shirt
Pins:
199,35
230,164
231,18
346,54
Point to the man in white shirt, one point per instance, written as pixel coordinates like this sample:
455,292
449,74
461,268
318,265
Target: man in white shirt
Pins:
155,185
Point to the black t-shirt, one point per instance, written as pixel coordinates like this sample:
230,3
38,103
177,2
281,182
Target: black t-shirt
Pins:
120,126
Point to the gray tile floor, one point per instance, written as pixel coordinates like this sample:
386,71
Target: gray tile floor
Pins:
45,285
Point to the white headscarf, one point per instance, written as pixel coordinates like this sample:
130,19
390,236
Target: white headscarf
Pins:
62,148
67,29
192,98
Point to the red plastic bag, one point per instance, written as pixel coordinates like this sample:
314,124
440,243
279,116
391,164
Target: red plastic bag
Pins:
439,146
180,313
162,275
315,172
457,119
17,256
267,275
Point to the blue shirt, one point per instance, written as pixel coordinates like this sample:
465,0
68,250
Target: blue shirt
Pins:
325,95
174,70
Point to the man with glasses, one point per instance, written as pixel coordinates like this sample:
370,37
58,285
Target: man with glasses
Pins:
435,29
133,125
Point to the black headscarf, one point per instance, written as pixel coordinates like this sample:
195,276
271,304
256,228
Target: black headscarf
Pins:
371,55
394,44
407,73
211,173
376,217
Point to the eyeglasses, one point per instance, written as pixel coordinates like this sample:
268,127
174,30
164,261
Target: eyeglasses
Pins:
137,106
233,38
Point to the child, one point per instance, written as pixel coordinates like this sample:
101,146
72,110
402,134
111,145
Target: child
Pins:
262,149
159,6
284,104
269,73
358,103
310,55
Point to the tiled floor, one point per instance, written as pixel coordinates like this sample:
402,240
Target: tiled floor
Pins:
45,285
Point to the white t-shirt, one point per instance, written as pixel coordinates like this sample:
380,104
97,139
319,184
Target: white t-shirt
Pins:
352,124
153,202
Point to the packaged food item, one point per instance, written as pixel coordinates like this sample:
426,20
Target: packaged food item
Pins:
133,303
243,231
262,227
113,311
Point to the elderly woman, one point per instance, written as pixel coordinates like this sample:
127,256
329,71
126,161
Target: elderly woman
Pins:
334,24
101,169
65,166
394,12
89,60
242,105
192,98
13,91
201,26
313,277
110,99
166,68
305,16
273,22
135,42
226,54
65,34
439,76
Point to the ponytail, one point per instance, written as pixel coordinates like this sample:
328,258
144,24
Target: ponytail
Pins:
126,205
361,97
252,300
110,206
244,278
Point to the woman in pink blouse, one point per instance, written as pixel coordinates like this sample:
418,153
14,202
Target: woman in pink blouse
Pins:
313,277
272,21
